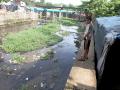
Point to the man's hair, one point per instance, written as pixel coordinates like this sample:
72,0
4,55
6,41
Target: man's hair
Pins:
89,16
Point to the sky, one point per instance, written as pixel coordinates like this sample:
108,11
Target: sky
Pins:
67,2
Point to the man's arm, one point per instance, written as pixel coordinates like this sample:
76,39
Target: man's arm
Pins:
87,31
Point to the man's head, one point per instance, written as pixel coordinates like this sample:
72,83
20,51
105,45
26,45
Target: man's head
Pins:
88,18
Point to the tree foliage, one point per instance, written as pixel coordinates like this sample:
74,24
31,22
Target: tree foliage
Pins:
4,0
102,7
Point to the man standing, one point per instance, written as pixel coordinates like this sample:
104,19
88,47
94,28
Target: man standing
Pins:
87,36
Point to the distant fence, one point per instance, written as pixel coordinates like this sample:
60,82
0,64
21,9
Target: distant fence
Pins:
16,17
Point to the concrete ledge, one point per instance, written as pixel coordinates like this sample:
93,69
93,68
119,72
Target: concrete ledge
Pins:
82,75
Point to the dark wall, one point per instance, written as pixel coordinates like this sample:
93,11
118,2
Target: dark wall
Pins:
111,74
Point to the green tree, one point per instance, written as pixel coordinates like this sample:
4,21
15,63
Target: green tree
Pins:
4,0
102,7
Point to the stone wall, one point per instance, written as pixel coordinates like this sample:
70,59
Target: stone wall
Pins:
7,18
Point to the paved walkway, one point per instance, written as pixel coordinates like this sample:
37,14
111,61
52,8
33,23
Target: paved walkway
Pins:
82,75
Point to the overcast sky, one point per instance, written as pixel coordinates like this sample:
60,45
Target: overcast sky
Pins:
67,2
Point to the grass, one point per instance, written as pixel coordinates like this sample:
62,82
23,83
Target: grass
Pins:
31,39
17,58
48,55
68,22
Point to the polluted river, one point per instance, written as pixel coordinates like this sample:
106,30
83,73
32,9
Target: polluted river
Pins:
50,74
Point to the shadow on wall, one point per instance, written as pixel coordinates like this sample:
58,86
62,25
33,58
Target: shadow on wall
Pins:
111,75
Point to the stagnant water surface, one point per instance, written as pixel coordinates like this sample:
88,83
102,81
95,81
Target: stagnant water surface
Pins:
42,75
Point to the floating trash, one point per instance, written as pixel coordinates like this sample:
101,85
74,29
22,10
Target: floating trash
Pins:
42,84
10,61
14,69
27,79
74,58
35,86
38,57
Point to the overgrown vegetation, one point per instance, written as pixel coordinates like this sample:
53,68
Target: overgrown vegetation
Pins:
31,39
4,0
17,58
68,21
102,7
48,55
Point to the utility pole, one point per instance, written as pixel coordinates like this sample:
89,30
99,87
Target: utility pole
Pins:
60,13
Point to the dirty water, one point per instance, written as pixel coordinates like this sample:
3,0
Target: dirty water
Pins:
42,75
